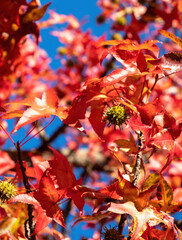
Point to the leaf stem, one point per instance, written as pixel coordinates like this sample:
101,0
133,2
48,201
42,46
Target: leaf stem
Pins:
156,79
28,133
38,132
142,92
8,135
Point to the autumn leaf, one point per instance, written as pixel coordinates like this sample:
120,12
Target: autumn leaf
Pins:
48,197
60,167
140,197
42,220
34,14
119,76
172,37
64,177
131,45
38,108
136,124
128,146
6,163
140,218
148,111
164,192
165,198
96,119
108,192
171,124
171,62
141,62
165,141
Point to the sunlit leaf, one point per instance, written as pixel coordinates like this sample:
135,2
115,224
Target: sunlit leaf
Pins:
34,14
172,37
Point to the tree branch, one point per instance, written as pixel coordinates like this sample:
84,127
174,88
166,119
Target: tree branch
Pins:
28,190
138,160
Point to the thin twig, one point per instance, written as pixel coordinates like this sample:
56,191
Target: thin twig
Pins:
156,80
140,99
138,160
122,223
28,190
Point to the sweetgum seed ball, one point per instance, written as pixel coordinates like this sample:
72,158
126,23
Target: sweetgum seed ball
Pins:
116,115
7,191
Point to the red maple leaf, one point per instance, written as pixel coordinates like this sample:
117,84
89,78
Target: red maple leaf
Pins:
65,179
38,108
48,196
142,219
6,163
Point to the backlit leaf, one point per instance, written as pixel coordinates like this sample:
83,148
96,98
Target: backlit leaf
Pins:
165,193
34,14
48,196
172,37
128,146
38,108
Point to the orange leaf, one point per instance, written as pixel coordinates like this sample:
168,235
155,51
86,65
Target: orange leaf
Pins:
48,196
128,146
172,37
38,108
141,218
34,14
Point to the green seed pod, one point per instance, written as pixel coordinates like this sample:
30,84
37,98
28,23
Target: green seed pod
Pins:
116,115
111,234
7,191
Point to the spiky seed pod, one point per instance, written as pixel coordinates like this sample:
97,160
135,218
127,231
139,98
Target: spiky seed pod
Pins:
111,234
116,115
7,191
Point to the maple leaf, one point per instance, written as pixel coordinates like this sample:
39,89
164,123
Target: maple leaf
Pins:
167,17
129,53
42,220
34,13
165,141
96,119
38,108
136,124
119,75
172,37
165,198
48,197
172,126
142,219
170,62
64,177
6,163
148,111
140,197
128,146
109,192
164,192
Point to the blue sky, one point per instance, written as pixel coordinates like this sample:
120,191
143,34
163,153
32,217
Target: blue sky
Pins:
83,10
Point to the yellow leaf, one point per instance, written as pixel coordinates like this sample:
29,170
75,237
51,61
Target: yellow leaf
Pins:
172,37
35,14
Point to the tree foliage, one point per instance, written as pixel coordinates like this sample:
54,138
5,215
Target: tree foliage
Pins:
118,100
